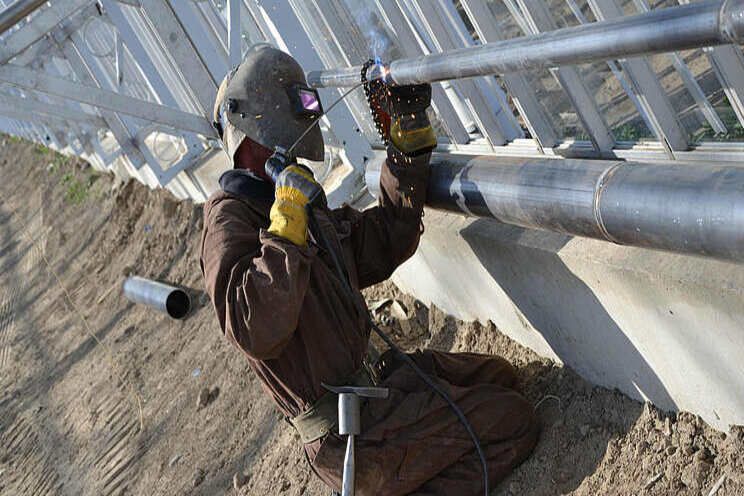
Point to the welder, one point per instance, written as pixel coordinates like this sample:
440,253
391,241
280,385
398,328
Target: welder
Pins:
280,301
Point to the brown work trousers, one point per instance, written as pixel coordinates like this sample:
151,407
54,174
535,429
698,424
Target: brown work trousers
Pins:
412,442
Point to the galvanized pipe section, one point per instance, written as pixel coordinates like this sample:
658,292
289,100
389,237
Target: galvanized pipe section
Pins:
162,297
17,11
697,209
695,25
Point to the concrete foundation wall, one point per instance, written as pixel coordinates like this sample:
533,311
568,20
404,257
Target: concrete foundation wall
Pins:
660,327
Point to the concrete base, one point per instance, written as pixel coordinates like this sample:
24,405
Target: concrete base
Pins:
660,327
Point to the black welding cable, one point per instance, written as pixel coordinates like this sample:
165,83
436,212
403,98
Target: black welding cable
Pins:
315,229
342,275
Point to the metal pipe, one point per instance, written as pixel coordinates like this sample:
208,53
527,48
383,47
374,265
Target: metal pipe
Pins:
162,297
17,12
696,209
695,25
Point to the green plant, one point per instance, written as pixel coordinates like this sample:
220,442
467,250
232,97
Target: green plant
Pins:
628,132
77,191
42,150
58,160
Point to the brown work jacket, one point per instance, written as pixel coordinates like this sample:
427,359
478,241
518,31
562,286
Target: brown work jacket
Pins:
286,310
282,305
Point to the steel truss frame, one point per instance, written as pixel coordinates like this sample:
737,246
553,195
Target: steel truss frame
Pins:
169,56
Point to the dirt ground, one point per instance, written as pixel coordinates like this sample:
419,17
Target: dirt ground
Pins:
68,427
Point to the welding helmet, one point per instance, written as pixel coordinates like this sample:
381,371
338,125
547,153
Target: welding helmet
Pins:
266,99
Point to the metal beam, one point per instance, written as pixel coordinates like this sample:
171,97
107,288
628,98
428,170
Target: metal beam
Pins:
728,64
165,81
179,47
48,19
643,78
234,38
696,210
17,12
410,46
115,123
537,18
17,111
522,94
676,28
495,119
149,111
690,83
26,105
618,74
205,39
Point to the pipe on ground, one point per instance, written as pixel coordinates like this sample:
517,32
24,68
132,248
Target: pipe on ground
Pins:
162,297
17,11
695,209
694,25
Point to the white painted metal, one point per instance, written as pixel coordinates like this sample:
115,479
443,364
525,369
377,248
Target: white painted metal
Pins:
494,119
690,83
538,19
516,84
182,52
411,47
234,38
618,74
30,107
47,19
37,80
650,93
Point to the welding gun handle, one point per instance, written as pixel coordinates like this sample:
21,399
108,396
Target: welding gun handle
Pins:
275,165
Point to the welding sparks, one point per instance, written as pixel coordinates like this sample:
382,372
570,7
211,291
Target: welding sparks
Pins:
382,69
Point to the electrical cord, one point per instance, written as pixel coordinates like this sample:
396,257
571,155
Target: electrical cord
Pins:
315,229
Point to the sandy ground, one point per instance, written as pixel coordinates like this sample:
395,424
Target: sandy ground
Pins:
68,427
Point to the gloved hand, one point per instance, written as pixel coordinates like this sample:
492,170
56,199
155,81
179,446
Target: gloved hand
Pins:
295,188
409,128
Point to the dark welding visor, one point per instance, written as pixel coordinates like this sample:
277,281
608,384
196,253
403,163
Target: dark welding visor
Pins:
304,100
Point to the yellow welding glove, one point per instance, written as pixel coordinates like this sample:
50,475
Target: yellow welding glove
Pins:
412,134
295,188
401,115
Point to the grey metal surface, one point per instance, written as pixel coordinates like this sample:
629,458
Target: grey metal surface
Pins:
410,47
537,18
40,81
47,19
348,415
17,11
696,209
651,94
523,95
162,297
676,28
347,488
488,105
